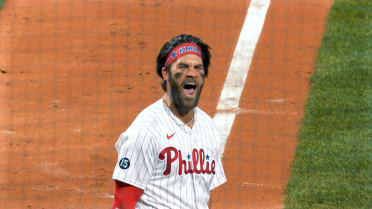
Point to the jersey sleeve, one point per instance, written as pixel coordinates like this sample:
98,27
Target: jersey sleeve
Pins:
219,178
136,158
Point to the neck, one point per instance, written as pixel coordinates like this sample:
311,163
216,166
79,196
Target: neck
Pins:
185,115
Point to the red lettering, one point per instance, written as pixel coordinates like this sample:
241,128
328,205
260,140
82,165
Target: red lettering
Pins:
168,151
207,168
195,159
182,164
190,168
187,166
213,165
201,153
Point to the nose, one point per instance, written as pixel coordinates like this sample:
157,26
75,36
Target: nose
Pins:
192,72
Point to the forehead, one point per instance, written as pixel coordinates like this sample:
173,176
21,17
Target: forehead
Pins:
189,59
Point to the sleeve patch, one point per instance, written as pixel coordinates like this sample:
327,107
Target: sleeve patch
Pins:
124,163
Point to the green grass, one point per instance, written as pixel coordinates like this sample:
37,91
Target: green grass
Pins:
333,163
1,3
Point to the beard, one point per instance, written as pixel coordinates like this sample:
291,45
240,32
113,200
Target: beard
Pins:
181,102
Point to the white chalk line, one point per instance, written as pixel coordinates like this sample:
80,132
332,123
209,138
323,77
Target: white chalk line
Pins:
238,71
261,185
53,168
8,132
239,67
238,111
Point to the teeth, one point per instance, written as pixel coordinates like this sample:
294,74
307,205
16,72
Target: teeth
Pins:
189,85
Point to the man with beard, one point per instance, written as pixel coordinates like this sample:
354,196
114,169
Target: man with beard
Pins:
169,157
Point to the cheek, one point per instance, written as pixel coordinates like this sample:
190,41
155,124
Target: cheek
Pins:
201,83
173,82
202,74
178,75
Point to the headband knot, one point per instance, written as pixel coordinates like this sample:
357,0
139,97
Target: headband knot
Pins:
182,50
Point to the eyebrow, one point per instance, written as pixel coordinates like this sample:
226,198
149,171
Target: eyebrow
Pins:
182,63
185,64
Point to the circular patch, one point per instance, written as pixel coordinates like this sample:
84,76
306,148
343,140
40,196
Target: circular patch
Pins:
124,163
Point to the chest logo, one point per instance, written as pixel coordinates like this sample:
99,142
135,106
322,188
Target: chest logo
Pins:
170,136
197,163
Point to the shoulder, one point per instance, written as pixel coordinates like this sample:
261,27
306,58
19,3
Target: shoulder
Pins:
210,131
206,119
147,119
206,123
143,126
148,116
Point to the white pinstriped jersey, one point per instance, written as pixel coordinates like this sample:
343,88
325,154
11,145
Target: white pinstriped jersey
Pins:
175,168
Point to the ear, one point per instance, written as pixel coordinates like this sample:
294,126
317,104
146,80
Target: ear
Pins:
164,73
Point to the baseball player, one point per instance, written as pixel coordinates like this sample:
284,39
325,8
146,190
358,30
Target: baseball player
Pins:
169,156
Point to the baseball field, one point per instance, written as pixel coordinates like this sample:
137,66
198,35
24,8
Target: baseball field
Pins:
74,74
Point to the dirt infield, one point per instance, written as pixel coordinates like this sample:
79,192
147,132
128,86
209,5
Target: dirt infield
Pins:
263,139
74,74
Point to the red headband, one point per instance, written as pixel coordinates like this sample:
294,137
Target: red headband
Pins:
182,50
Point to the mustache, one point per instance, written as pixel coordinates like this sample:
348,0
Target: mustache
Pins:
189,80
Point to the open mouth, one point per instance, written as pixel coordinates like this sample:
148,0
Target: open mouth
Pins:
189,89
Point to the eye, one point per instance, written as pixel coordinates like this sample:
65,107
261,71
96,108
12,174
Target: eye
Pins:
183,66
199,67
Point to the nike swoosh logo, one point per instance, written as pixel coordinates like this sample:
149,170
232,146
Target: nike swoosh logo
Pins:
169,137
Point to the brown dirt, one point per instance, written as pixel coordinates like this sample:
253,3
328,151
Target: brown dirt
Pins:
262,143
76,73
